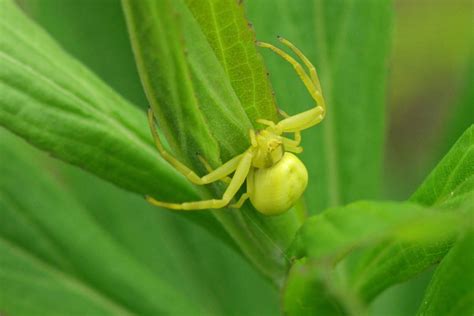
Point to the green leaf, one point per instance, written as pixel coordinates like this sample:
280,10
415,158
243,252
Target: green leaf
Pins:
58,105
69,242
348,42
450,187
404,238
451,289
312,289
50,244
338,231
391,242
24,275
52,101
453,178
233,43
397,260
190,60
190,85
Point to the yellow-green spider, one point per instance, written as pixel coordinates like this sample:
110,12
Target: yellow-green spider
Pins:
276,178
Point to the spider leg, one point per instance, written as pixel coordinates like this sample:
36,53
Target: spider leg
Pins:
240,202
289,145
297,134
277,129
308,118
253,138
210,169
298,68
240,175
312,70
266,122
213,176
302,120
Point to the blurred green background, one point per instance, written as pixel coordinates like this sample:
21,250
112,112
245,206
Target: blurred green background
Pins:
430,102
428,84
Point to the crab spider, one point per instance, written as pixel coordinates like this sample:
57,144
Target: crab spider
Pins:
276,178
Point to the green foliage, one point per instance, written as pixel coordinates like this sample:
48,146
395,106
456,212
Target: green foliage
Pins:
452,181
385,243
348,41
40,241
450,291
71,243
186,54
312,290
183,55
58,105
75,245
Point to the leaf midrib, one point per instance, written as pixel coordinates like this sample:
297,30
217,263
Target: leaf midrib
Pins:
219,40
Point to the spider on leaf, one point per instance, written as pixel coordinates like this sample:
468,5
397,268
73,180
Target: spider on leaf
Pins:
276,178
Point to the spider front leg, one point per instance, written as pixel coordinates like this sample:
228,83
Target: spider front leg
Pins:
238,179
302,120
312,70
293,142
315,115
289,144
220,173
209,169
276,129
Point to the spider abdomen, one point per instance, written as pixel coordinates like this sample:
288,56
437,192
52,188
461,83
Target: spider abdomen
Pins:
275,189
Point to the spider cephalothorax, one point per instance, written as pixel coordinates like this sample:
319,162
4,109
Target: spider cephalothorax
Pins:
275,177
267,149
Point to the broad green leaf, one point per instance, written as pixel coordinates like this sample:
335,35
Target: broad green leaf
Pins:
192,85
25,276
451,290
49,254
397,260
338,231
233,42
453,177
450,187
49,241
348,42
55,103
312,289
421,236
406,238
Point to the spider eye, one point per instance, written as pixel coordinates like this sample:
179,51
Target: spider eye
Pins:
272,145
